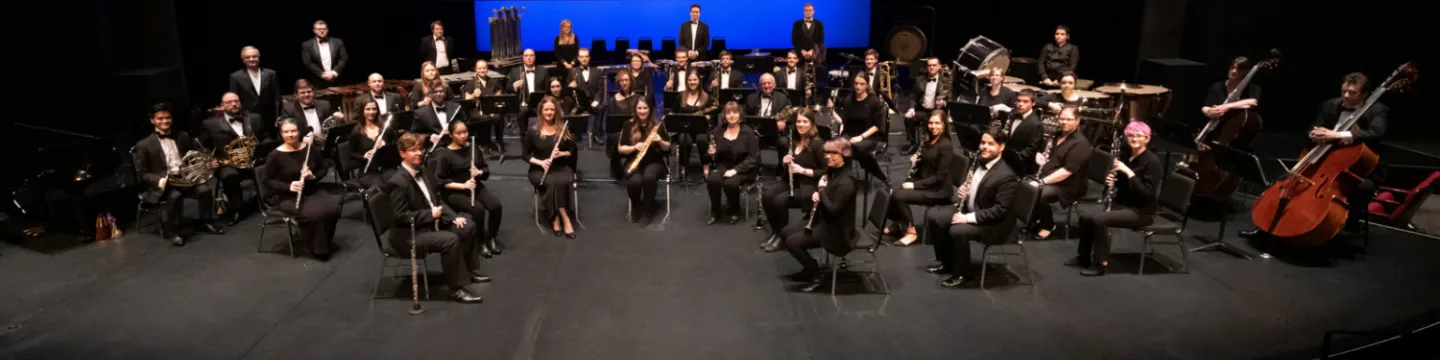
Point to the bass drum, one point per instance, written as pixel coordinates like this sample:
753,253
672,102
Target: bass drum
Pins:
978,55
906,43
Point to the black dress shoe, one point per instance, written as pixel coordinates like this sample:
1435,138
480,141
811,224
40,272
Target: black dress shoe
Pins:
490,245
938,269
570,235
234,219
212,229
464,297
485,251
557,232
479,279
1097,270
734,219
953,281
644,220
496,246
176,240
815,284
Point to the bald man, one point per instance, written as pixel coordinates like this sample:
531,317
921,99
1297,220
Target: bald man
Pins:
216,133
389,102
528,78
259,92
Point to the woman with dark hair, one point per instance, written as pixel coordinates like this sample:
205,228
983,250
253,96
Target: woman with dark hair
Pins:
556,90
804,162
640,76
294,174
695,101
642,133
1067,95
365,141
736,153
832,225
929,180
460,174
551,154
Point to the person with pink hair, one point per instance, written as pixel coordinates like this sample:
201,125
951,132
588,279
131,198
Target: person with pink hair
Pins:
1135,177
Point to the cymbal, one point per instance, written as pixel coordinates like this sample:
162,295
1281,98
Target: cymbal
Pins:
850,56
1127,86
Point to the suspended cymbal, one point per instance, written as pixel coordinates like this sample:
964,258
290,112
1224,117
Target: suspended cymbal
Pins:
850,56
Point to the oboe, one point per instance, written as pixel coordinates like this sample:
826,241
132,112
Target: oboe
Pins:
472,170
816,206
415,309
379,137
304,167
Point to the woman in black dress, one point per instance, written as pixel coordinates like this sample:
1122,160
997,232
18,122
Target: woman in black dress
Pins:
804,163
623,103
736,153
567,47
861,116
929,182
460,168
552,167
363,147
640,76
644,133
287,174
1066,96
567,103
694,101
1136,177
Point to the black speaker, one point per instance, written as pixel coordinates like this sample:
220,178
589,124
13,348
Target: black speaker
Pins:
1187,83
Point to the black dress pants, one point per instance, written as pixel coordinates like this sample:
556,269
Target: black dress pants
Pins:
716,183
642,186
171,206
778,203
486,206
1095,233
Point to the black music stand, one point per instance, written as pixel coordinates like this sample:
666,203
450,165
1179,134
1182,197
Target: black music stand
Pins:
796,97
582,98
533,99
769,132
671,99
755,64
738,95
686,124
1247,166
502,106
579,124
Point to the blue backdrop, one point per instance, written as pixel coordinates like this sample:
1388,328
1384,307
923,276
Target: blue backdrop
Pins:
745,24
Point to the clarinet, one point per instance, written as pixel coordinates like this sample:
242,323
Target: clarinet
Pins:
969,176
415,309
305,166
815,207
472,170
915,165
1115,145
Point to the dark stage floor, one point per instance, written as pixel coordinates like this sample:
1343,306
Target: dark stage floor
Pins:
685,291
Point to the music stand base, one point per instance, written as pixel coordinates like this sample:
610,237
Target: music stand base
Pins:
1221,245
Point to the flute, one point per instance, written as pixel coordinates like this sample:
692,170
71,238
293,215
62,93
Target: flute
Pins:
472,170
380,137
559,137
305,166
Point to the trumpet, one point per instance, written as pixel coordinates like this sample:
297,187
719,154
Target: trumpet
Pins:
644,147
305,167
560,136
379,138
816,206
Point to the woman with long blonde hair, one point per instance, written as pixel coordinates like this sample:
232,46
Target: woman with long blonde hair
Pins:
567,46
429,78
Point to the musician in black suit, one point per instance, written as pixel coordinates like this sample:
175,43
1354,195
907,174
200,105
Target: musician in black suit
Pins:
694,34
528,78
311,112
323,56
808,36
1063,170
219,131
767,102
588,79
158,155
1026,134
439,49
832,225
486,125
729,77
259,92
1135,175
925,97
435,119
416,202
792,76
387,101
984,215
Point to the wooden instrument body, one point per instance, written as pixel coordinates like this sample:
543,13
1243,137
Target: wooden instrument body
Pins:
1237,129
1317,205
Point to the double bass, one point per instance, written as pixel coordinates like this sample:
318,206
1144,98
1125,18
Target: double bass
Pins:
1308,206
1236,128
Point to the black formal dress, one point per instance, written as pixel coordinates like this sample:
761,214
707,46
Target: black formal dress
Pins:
1073,155
310,56
643,82
695,138
1134,206
319,209
566,52
833,226
385,159
931,182
263,100
987,209
554,187
487,126
778,200
1056,60
412,209
644,182
158,155
453,166
216,133
742,154
859,116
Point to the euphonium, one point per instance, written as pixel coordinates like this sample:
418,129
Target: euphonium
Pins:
644,147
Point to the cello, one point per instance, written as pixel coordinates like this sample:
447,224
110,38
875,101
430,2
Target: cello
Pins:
1236,128
1308,206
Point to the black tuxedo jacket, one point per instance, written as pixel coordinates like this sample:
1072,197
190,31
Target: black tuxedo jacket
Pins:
917,94
1027,140
737,78
410,204
808,40
702,38
293,110
518,74
428,53
782,78
392,102
1371,124
150,162
778,102
310,56
673,80
594,87
264,102
428,122
216,133
993,200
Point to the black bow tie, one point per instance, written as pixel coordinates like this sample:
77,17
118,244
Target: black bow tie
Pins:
235,119
307,107
164,135
439,108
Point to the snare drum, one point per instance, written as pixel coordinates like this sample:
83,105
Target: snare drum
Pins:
978,55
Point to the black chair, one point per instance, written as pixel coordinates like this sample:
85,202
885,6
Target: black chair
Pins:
271,216
959,171
382,218
667,45
865,242
717,44
1096,168
1172,216
141,207
1027,196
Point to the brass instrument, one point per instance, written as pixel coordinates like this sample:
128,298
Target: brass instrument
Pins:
194,170
882,80
942,91
809,69
644,147
306,167
816,206
1116,142
239,152
560,136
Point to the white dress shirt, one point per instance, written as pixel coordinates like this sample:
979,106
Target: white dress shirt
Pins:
255,79
809,23
441,60
444,119
681,80
765,106
1016,124
977,177
694,33
380,101
530,81
172,154
725,79
324,54
790,79
236,124
1345,136
312,119
929,102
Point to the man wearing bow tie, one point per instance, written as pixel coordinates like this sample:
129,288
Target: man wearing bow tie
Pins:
808,36
310,111
434,120
158,155
792,77
389,101
439,49
528,79
695,35
323,56
924,99
216,133
256,86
